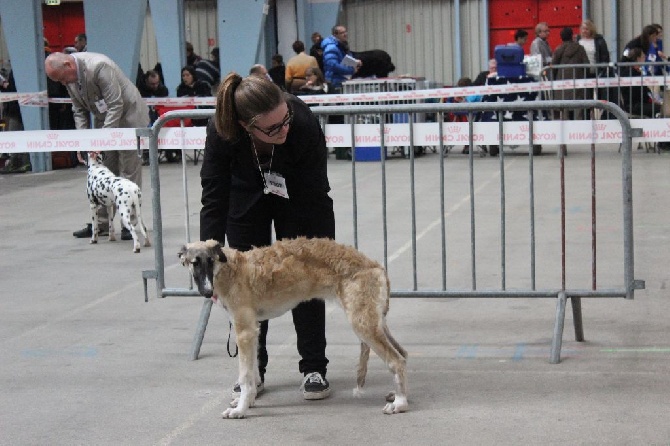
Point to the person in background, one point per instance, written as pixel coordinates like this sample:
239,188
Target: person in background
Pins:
297,66
152,87
659,51
520,37
277,71
595,46
265,167
335,48
191,86
637,100
80,42
11,112
316,82
483,75
99,89
569,53
316,51
462,116
209,71
540,45
259,70
191,57
646,42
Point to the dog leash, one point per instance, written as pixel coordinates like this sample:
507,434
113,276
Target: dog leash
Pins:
230,330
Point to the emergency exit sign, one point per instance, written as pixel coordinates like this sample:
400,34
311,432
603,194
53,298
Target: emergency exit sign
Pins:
52,2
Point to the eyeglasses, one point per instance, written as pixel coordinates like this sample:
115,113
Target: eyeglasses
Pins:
275,129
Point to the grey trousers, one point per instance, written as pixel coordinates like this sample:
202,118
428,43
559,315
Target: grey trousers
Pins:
124,163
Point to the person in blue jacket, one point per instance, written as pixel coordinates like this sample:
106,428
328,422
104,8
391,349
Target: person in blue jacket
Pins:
335,48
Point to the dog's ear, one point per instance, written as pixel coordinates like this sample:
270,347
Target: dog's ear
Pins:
219,253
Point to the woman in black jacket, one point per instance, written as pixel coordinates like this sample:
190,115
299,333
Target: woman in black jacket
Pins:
264,165
190,85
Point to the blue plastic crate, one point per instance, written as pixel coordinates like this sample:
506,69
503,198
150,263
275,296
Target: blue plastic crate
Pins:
368,154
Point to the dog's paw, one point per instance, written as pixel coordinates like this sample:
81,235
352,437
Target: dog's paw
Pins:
136,250
233,413
358,392
398,406
235,402
390,397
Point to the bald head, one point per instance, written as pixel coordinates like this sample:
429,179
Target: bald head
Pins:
61,68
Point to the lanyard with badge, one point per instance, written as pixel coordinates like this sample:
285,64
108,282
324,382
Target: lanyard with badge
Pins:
273,182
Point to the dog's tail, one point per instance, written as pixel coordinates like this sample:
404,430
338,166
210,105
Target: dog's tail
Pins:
362,369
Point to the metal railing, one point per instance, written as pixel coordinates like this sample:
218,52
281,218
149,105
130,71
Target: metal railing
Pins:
561,291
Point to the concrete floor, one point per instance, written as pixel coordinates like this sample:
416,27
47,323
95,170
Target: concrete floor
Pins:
84,360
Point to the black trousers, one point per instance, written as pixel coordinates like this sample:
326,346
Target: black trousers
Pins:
290,220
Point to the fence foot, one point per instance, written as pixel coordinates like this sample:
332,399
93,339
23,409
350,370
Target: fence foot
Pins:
146,275
200,330
555,356
577,318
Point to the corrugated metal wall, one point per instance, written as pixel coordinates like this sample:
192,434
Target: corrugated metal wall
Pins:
420,36
634,15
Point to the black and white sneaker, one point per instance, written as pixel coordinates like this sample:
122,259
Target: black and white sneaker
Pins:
315,387
237,390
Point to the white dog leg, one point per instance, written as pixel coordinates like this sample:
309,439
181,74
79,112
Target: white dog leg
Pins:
247,342
110,216
94,223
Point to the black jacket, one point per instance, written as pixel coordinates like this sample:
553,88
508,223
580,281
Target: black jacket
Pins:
231,182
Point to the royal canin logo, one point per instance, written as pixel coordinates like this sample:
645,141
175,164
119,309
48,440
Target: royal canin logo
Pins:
117,134
524,127
600,127
454,128
52,135
179,133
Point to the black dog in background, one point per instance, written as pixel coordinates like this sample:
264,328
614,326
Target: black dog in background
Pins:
375,63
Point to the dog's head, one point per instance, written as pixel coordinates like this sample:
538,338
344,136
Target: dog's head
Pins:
200,258
95,158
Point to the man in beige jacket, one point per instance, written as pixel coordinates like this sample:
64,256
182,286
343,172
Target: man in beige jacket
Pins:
98,88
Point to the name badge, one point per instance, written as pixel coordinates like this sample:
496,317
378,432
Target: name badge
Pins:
101,106
275,184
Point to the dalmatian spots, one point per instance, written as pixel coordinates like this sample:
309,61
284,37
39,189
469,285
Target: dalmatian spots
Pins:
103,188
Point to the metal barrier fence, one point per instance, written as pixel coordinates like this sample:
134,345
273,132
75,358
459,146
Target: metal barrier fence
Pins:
531,285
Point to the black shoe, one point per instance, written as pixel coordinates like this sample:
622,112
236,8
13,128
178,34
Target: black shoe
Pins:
237,390
315,386
125,234
87,232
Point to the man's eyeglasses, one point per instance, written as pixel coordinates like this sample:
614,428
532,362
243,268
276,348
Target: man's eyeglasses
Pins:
275,129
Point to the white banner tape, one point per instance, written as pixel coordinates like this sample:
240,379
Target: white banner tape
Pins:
339,135
40,99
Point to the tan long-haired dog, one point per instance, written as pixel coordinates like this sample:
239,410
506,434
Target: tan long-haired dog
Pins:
267,282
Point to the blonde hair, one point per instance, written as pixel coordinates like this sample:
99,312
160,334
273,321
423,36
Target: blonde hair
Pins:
591,27
243,99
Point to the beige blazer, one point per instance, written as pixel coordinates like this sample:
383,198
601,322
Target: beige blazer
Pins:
104,92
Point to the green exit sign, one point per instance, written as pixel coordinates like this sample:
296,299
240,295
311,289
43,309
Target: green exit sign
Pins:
52,2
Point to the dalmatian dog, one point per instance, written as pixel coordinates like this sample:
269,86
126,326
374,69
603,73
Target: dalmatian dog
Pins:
106,189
